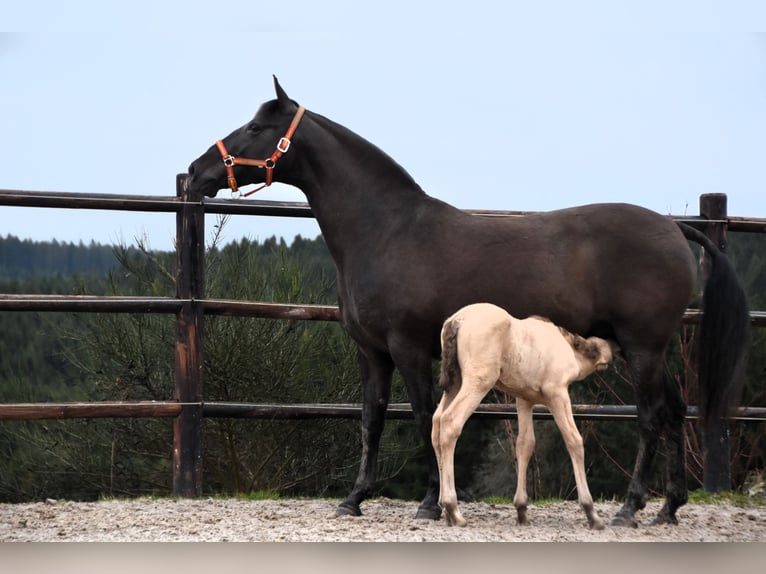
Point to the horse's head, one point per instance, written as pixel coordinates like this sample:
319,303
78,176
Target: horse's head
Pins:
248,154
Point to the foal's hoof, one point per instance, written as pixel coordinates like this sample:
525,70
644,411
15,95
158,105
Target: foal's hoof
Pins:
348,510
429,513
624,521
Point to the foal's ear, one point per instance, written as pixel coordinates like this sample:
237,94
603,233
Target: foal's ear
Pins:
285,104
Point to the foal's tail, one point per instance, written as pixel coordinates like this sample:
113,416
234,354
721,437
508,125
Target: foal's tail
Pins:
449,373
724,339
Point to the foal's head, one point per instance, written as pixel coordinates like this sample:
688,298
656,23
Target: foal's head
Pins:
593,353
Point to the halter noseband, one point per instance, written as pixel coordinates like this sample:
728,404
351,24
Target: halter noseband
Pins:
282,146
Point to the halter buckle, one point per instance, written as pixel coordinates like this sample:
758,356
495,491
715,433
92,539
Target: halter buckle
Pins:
283,145
228,161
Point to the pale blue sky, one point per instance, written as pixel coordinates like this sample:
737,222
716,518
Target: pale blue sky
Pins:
532,105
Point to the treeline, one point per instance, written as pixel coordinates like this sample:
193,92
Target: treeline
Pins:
89,357
21,259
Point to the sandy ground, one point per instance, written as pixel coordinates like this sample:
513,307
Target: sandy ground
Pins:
218,520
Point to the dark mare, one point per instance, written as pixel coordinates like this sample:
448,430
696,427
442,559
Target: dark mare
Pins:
406,261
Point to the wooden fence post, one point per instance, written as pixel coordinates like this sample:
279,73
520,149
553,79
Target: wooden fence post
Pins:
187,428
716,470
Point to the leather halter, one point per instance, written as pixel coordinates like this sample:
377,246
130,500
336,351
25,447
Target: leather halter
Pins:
268,164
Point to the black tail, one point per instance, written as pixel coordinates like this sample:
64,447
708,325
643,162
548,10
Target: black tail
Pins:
449,372
724,339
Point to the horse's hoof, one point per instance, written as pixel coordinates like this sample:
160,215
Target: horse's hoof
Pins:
664,519
429,513
597,525
348,510
624,521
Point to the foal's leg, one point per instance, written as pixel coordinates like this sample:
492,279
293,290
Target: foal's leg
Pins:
377,370
446,399
561,408
435,428
458,407
525,446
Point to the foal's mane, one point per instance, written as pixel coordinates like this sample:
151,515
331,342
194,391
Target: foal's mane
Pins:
577,342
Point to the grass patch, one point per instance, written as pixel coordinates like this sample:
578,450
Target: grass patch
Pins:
536,501
257,495
497,500
734,498
738,499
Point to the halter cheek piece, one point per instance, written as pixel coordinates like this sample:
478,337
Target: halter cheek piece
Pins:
268,164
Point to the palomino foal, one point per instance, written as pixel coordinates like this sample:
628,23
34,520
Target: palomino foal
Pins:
483,347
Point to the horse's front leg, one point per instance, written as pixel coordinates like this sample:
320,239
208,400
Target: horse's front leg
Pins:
376,369
414,365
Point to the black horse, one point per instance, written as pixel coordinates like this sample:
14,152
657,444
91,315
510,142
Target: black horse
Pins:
406,261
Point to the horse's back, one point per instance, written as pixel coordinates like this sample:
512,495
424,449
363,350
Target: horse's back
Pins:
577,266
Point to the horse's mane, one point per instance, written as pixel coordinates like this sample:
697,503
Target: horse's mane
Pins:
352,140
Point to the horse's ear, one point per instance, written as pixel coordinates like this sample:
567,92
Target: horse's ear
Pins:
284,101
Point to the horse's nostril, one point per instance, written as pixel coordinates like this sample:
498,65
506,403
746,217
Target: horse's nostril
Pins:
191,169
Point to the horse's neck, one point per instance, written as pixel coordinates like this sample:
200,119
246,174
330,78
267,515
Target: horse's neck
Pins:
358,194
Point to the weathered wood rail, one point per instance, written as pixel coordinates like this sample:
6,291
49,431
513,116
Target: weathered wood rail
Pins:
190,306
217,409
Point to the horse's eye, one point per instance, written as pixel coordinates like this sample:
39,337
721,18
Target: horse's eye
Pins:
253,127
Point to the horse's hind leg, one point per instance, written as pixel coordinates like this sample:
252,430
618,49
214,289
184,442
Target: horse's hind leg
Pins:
377,370
525,446
561,408
646,370
676,491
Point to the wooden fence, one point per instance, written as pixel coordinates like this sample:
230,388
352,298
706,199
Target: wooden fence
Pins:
190,306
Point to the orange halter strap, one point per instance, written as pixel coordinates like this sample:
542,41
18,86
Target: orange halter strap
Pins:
268,164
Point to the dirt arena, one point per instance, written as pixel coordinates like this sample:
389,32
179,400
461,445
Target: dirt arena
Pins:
384,520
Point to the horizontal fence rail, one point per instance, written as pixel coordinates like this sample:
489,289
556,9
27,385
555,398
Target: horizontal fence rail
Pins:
400,411
169,204
225,307
118,304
